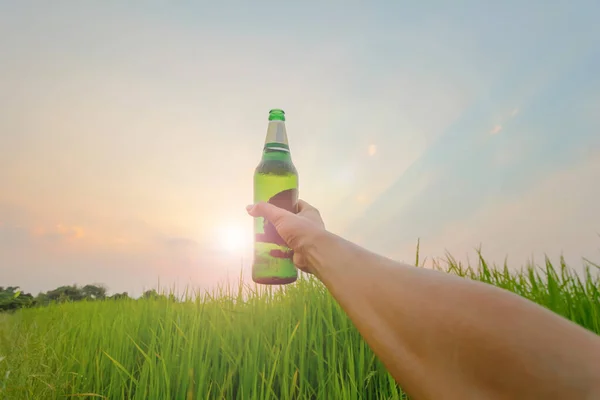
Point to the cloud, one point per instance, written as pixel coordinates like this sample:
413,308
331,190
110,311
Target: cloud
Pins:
557,215
126,255
43,262
499,126
59,231
496,129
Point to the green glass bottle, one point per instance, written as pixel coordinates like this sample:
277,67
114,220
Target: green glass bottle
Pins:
276,182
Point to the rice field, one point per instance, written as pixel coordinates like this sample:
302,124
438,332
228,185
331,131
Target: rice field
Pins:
239,342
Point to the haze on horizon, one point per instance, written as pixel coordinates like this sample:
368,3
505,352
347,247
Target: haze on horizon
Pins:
129,135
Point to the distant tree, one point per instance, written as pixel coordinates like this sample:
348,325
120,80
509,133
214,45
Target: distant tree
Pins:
153,294
120,296
150,294
41,299
94,292
12,298
65,293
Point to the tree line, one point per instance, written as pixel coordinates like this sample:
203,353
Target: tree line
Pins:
12,298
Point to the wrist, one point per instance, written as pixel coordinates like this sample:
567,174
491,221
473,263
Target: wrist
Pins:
322,252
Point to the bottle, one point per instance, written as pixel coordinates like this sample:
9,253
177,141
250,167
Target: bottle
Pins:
276,182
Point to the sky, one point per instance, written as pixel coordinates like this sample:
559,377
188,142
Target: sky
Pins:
129,133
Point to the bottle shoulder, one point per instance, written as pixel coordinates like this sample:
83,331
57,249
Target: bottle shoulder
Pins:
276,167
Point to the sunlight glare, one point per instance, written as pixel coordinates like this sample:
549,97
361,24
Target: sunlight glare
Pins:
372,150
233,238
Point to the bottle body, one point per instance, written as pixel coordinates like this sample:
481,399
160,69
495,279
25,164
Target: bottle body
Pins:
276,182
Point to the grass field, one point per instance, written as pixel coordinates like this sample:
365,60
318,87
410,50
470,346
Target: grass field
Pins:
235,344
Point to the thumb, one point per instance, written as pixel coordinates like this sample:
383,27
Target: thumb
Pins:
270,212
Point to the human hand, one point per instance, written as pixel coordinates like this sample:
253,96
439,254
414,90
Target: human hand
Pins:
299,231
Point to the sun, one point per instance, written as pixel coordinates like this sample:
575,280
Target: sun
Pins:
233,238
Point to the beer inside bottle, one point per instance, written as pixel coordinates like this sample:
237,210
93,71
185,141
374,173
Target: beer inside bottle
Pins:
276,182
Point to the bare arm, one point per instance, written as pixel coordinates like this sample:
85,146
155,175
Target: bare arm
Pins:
442,336
439,335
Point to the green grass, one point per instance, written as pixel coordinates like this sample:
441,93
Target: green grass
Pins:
244,343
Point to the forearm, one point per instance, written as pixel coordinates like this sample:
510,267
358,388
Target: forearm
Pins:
441,335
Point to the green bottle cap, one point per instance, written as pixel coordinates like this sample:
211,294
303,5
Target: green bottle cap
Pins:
276,115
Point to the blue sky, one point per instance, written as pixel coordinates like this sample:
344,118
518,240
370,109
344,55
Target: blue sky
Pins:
129,134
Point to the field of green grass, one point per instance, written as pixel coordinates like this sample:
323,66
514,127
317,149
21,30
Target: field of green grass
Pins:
245,343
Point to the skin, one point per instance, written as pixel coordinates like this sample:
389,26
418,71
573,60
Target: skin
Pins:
441,336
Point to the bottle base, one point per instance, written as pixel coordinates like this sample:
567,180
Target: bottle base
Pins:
274,280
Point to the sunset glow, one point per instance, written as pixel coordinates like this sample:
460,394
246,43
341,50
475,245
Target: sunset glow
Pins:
234,238
130,135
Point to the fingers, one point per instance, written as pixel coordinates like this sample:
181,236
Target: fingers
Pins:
270,212
310,212
274,213
305,206
301,263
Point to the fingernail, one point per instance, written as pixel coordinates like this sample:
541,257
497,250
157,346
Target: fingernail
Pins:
249,207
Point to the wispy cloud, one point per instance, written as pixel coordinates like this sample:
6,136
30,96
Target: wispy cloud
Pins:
496,129
68,232
555,216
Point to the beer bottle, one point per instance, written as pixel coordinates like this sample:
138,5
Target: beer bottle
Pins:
276,182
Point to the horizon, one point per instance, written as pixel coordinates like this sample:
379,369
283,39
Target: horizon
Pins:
130,135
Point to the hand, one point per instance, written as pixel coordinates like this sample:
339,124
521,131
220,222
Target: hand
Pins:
299,231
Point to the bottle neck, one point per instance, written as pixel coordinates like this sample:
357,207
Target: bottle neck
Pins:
276,139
